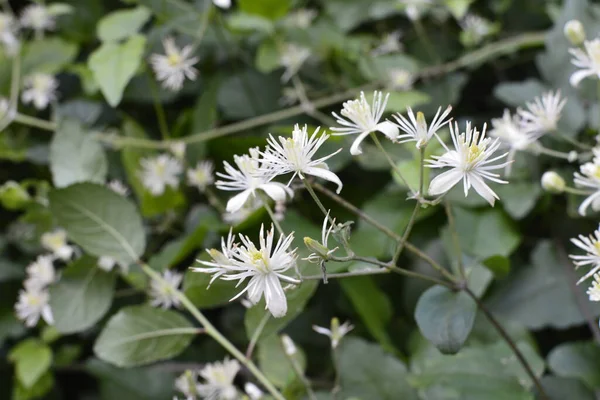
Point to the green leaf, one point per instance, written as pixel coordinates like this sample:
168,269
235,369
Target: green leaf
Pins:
47,55
195,287
275,364
14,196
267,57
373,306
240,21
499,265
82,296
32,359
270,9
367,372
400,101
579,360
248,94
114,64
445,318
458,8
122,24
139,335
75,156
39,389
564,388
519,198
539,296
101,221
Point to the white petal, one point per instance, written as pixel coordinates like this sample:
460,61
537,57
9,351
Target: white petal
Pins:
256,286
586,203
483,189
389,129
276,191
238,201
355,149
275,296
325,174
445,181
580,75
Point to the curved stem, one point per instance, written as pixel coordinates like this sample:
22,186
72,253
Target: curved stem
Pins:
158,108
256,335
267,207
455,240
511,343
216,335
390,161
35,122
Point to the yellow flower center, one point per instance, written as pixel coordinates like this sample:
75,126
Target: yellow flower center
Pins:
596,172
174,59
259,259
597,247
474,152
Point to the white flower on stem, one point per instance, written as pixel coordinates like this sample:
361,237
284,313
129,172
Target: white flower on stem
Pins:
250,176
221,260
542,114
253,392
475,29
8,33
416,129
40,273
594,291
56,242
358,117
301,18
321,250
177,148
118,187
389,44
291,58
336,331
414,9
591,245
400,79
159,172
225,4
265,266
164,293
587,60
201,176
471,161
589,179
218,380
296,154
175,65
107,263
33,304
187,384
38,18
40,89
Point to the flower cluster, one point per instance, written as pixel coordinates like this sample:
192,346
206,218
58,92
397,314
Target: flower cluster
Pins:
34,299
217,382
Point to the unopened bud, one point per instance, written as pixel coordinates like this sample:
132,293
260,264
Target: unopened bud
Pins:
574,32
178,149
552,182
288,345
316,247
572,156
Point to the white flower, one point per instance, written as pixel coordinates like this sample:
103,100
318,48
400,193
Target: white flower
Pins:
416,129
218,380
107,263
291,58
225,4
33,304
543,113
56,242
159,172
321,250
469,162
589,178
220,259
173,67
414,9
301,18
574,32
553,182
400,79
337,331
265,266
250,176
118,187
587,61
389,44
187,384
296,154
591,245
40,273
8,33
288,345
177,148
475,29
509,129
37,17
201,176
164,293
40,89
363,119
253,392
594,290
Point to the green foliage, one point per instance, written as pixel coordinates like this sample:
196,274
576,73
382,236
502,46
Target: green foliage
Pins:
576,360
32,360
122,24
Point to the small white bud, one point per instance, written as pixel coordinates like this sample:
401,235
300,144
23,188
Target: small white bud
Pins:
572,156
552,182
288,345
178,149
574,32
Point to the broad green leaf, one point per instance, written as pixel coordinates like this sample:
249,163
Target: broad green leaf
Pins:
139,335
458,8
580,360
499,265
270,9
240,21
400,101
122,24
152,383
519,198
49,55
539,296
275,364
350,14
56,9
75,156
564,388
445,318
32,360
114,64
82,296
367,372
248,94
373,306
101,221
267,57
196,288
37,391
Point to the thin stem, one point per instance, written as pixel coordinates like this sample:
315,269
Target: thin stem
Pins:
310,190
511,343
299,373
35,122
310,108
455,239
389,159
336,365
362,272
203,25
214,200
158,108
256,335
15,80
577,191
265,201
552,153
217,336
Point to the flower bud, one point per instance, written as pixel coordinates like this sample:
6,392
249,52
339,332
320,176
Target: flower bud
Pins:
574,32
572,156
13,196
178,149
288,345
552,182
316,247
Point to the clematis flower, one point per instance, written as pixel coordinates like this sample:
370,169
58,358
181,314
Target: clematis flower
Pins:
175,65
417,130
587,60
